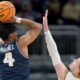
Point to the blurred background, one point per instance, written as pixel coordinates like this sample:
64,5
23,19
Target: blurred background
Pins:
64,24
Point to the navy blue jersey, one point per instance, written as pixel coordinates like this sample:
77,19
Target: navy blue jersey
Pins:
13,66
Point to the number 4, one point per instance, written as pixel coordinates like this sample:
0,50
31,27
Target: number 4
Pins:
9,59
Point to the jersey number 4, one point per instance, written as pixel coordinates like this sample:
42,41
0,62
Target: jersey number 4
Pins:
9,59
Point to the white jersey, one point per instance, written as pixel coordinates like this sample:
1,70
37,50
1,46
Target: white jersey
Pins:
53,52
70,76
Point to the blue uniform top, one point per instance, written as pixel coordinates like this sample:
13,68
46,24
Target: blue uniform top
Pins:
10,54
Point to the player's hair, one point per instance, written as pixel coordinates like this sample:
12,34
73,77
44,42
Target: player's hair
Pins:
6,29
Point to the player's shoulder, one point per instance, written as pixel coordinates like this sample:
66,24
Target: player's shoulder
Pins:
70,76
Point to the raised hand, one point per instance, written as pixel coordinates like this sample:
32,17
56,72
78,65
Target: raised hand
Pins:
45,22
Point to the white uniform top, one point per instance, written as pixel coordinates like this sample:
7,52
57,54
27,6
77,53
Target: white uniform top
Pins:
70,76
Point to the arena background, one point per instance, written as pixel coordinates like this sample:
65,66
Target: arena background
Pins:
64,23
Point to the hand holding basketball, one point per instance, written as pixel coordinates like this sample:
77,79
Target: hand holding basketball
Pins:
12,20
7,11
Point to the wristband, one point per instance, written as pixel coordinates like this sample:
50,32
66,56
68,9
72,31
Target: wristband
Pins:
18,20
46,32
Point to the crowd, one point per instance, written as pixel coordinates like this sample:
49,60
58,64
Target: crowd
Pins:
65,12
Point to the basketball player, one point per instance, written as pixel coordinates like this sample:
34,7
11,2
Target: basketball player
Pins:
14,63
61,70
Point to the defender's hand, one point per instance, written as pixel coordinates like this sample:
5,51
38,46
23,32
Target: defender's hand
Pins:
45,22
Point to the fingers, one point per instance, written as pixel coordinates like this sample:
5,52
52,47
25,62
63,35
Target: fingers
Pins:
8,21
46,13
43,20
11,20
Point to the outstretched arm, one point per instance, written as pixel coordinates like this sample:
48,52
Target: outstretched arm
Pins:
60,68
51,45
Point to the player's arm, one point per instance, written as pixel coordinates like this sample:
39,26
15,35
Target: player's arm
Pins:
31,35
60,68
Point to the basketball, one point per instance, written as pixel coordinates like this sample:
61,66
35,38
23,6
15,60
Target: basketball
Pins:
7,10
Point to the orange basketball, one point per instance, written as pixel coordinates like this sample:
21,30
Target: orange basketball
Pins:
7,10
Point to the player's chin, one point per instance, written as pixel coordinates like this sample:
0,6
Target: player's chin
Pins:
77,74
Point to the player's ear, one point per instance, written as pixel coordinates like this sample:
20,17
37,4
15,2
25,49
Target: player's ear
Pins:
10,36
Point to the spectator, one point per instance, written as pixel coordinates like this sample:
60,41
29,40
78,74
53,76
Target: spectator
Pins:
17,4
37,6
71,12
54,12
26,10
38,9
